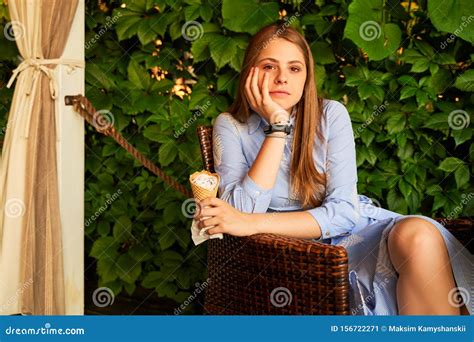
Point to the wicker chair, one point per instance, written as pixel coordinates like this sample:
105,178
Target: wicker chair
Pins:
267,274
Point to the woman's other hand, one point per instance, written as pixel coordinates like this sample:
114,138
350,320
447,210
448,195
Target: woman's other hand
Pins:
225,218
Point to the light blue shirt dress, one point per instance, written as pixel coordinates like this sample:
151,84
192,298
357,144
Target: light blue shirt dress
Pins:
346,218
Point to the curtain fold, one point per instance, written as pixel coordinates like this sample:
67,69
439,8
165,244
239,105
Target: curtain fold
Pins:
30,243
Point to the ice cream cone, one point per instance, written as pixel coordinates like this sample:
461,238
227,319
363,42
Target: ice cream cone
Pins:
200,192
203,184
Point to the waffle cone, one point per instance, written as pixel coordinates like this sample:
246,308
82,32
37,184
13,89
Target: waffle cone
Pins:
201,193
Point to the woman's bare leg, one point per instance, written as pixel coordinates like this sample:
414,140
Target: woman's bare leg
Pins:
419,254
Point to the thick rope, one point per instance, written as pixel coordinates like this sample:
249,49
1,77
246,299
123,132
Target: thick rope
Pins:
83,106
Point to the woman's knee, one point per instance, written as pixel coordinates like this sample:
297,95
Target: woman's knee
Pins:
413,237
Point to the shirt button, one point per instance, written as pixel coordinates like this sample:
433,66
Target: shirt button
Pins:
327,233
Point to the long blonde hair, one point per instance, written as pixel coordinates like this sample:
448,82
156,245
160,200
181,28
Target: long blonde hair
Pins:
306,181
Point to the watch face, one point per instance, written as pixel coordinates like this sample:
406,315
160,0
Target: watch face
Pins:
277,128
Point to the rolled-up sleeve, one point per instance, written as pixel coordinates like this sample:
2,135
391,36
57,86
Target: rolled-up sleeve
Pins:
236,187
339,212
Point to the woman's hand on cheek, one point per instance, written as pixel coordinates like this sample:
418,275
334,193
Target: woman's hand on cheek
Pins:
260,99
224,217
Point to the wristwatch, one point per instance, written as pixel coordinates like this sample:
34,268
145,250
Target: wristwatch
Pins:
278,127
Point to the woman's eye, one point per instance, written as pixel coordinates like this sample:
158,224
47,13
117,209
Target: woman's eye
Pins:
295,69
267,67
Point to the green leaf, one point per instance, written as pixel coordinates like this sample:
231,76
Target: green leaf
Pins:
405,188
140,253
106,269
248,15
450,164
97,77
408,81
461,135
367,136
103,228
137,75
438,121
396,202
171,257
439,201
166,289
152,280
322,53
440,81
420,65
462,176
127,26
155,133
103,246
200,48
191,12
128,269
138,5
434,189
465,81
130,288
222,50
407,92
452,17
396,122
145,32
405,151
366,29
122,228
206,12
167,239
175,30
167,153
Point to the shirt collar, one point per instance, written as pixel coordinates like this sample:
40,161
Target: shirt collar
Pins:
255,121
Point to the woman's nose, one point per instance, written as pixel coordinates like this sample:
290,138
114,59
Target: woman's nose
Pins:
280,78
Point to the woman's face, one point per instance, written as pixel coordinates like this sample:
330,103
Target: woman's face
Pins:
285,64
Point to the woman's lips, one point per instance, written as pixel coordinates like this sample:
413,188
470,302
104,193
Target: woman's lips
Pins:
279,93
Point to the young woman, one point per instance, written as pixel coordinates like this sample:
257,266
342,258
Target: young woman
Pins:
299,179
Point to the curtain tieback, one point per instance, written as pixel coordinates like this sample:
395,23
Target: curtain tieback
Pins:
42,65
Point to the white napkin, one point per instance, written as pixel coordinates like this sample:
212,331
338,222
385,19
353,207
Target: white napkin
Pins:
200,235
